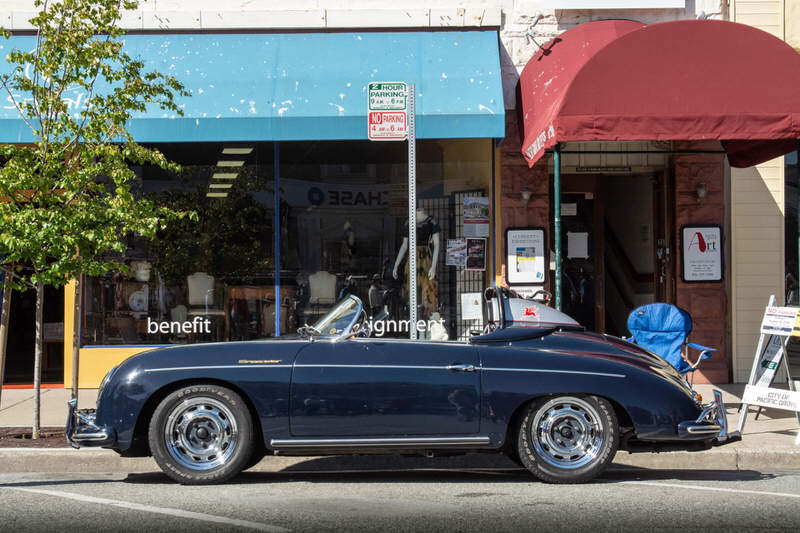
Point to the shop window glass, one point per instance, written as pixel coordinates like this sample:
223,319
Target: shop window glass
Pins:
791,188
198,281
344,211
342,230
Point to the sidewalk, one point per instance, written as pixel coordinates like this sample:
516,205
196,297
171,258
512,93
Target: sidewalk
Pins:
767,443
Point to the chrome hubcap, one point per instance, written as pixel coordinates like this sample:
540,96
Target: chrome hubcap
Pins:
567,433
201,433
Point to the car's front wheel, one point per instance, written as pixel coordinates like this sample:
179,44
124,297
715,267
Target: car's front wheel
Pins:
201,434
568,439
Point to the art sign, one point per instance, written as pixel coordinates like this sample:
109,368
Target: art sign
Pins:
701,253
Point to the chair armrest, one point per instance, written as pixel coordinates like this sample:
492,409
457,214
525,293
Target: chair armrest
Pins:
705,352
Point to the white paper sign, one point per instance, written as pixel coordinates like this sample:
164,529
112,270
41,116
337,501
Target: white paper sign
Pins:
525,256
779,321
577,245
776,398
471,306
701,258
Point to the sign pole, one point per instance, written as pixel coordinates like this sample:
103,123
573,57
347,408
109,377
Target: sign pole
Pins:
412,212
557,220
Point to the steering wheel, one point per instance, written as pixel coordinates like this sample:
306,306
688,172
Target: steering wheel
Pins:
363,326
547,297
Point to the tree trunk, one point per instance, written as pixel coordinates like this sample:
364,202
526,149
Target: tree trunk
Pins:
76,336
5,315
37,361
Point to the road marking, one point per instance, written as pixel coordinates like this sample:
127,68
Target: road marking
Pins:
715,489
157,510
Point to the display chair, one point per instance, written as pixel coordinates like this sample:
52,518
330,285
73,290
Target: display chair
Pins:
664,330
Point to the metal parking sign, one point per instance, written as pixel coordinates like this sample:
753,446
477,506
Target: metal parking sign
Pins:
387,126
387,111
387,96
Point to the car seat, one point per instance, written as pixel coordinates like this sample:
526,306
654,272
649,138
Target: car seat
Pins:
664,330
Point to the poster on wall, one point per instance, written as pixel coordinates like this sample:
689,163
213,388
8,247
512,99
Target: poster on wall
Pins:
701,253
525,256
476,254
456,253
476,216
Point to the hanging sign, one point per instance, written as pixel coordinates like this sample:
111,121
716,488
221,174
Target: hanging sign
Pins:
701,257
387,118
525,257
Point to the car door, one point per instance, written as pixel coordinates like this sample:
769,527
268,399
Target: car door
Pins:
377,387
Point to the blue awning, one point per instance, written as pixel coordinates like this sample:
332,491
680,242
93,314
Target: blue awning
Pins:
304,86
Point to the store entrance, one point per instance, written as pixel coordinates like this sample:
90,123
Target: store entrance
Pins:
615,251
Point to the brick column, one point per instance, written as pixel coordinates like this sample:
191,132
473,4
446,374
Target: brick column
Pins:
707,303
514,176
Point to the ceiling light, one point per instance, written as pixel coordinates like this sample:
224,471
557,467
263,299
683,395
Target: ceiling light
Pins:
224,176
220,186
230,163
216,195
237,151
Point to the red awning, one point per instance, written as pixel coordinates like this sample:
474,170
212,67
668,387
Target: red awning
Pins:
616,80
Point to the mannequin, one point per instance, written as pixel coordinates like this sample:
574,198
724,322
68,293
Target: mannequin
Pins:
427,250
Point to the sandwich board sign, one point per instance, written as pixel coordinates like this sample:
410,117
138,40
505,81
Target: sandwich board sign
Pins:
387,110
777,326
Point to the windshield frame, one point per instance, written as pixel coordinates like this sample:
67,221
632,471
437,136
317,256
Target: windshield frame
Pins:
345,332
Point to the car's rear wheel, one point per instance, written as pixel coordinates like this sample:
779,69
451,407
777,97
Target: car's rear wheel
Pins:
202,434
568,439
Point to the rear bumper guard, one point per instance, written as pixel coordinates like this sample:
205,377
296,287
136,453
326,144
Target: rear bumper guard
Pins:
711,424
82,430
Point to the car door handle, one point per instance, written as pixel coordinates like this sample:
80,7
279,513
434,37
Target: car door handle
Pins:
461,368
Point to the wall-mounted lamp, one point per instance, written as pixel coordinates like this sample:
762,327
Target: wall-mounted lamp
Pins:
525,196
705,16
702,191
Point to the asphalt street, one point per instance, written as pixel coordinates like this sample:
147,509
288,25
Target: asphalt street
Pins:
419,500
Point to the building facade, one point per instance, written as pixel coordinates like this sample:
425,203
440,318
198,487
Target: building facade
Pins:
261,264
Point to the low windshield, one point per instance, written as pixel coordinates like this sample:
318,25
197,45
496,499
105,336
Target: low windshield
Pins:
339,319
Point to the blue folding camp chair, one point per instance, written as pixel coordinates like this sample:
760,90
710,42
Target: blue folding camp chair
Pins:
664,330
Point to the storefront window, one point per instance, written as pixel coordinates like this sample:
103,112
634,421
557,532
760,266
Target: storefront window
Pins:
344,209
342,229
198,281
791,188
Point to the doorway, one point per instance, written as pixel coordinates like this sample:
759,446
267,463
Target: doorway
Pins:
616,253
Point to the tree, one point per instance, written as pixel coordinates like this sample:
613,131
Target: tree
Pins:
66,200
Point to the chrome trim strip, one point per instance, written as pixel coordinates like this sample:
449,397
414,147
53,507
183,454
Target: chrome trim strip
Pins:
551,371
214,367
708,429
410,367
80,437
403,442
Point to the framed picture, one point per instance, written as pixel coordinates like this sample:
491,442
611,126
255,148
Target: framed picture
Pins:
526,260
701,253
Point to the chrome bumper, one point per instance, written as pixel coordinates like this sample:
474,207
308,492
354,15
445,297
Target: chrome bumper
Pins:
711,424
81,428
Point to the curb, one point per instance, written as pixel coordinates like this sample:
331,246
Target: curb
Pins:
67,460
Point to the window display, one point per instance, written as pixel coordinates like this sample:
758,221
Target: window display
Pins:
342,229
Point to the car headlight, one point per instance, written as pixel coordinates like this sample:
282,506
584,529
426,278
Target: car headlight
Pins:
105,382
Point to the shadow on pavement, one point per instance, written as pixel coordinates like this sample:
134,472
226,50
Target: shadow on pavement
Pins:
455,476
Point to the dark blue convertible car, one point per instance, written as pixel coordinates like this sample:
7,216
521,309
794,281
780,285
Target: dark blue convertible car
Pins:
535,385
